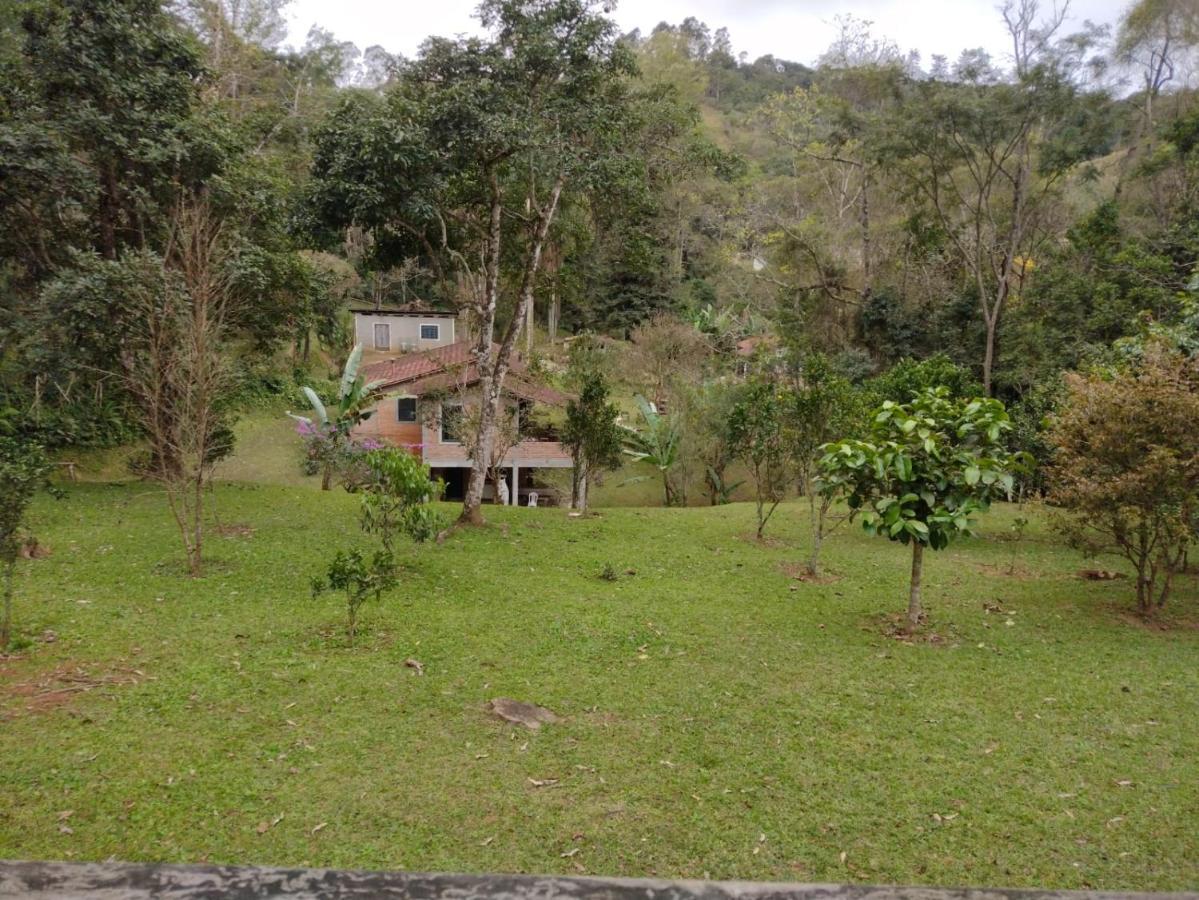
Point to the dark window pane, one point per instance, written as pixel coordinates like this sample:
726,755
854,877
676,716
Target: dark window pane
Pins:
451,422
430,332
406,409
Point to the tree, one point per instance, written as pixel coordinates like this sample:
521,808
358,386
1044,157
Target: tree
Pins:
24,469
176,367
759,430
593,436
657,444
823,407
397,497
706,412
1125,468
359,579
1156,39
985,161
928,466
332,426
466,159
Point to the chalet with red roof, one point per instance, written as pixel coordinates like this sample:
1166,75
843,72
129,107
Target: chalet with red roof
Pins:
421,399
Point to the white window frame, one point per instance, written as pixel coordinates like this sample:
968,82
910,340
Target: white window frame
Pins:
424,325
375,334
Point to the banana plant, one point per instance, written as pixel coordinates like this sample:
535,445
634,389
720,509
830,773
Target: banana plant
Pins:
656,443
354,398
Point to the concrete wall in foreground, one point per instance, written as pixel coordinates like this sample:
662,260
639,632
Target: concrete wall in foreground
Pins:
126,881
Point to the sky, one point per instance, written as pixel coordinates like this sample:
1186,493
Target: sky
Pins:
797,30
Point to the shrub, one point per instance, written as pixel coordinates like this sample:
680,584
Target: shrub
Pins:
1126,468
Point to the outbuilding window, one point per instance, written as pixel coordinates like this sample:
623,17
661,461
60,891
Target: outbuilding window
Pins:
430,332
406,409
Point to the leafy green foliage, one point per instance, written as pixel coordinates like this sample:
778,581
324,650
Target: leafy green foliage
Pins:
24,470
592,433
328,430
758,429
927,467
656,443
359,579
397,497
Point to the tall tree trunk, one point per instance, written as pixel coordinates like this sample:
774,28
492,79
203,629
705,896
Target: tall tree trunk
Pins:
493,367
555,313
813,566
472,512
6,616
915,609
584,488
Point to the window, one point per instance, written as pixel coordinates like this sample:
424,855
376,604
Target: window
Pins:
382,337
430,332
451,422
406,409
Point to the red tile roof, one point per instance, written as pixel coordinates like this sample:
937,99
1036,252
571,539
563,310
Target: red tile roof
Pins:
452,366
411,366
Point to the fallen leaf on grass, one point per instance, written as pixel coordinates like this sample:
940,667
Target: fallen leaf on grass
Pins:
416,665
569,853
264,826
486,841
1124,784
65,829
544,782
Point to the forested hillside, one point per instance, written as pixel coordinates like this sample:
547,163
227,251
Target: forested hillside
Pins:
1019,216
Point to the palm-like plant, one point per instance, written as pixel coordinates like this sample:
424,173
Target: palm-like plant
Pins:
656,443
354,396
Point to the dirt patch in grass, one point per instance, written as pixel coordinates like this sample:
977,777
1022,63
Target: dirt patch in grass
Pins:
772,543
57,688
235,529
1100,575
896,627
799,572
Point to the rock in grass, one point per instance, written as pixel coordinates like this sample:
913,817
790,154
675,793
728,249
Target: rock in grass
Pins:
529,715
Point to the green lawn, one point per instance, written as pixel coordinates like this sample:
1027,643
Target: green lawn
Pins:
720,718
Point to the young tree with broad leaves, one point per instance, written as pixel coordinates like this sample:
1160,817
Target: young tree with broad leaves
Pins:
657,443
926,468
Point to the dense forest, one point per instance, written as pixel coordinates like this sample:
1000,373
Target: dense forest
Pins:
985,223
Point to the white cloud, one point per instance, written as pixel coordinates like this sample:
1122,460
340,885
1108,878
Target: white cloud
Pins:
789,29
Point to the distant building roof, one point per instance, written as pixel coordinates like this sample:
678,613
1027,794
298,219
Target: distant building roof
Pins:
444,368
416,308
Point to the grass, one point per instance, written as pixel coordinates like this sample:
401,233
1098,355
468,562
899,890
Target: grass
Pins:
721,719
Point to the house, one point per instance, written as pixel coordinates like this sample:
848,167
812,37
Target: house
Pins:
403,329
421,398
